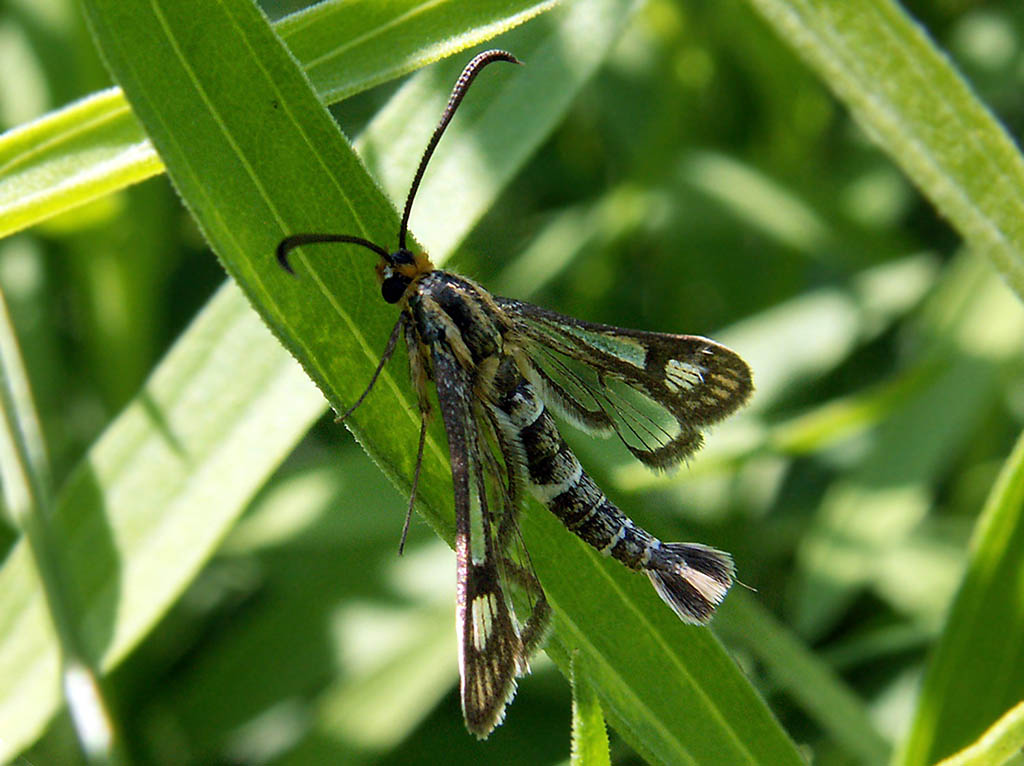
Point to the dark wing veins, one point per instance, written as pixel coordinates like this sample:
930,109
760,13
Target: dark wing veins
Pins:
657,391
490,650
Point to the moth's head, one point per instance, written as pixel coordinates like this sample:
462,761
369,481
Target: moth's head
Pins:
397,270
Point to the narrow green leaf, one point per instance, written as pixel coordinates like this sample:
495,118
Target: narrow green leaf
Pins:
845,416
153,498
28,495
357,658
910,99
79,153
96,146
589,735
871,512
806,678
279,165
758,201
381,705
961,697
670,690
842,319
997,745
346,47
152,501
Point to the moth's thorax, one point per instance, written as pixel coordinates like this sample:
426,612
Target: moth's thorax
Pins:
447,308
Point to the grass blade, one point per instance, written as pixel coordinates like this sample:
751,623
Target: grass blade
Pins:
96,146
589,735
997,745
960,698
220,163
152,500
811,682
905,93
28,495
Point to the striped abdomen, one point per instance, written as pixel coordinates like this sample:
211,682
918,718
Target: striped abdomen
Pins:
691,578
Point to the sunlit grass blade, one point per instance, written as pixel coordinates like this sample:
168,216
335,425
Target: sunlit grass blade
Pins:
347,47
974,322
821,328
997,745
152,500
589,735
912,101
96,146
77,154
380,706
961,697
812,684
29,498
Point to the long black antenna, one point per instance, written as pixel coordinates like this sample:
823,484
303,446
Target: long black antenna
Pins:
458,92
288,244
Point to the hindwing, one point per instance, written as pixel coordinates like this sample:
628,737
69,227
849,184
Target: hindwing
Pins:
656,391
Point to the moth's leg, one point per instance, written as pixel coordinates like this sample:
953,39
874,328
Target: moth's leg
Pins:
389,349
419,374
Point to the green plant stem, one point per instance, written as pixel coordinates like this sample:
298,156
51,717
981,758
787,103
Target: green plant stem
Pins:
26,479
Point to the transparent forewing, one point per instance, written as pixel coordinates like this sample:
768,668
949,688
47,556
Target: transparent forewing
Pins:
656,391
490,649
487,481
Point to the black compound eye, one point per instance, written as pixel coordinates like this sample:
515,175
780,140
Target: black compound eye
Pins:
393,288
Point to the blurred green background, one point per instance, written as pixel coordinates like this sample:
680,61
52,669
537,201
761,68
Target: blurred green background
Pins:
704,181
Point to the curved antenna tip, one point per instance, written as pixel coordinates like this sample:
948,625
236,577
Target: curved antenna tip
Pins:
283,248
469,73
293,241
495,54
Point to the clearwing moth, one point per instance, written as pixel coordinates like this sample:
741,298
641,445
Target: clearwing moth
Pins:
498,366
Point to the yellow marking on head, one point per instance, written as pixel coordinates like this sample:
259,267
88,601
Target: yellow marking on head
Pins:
421,265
